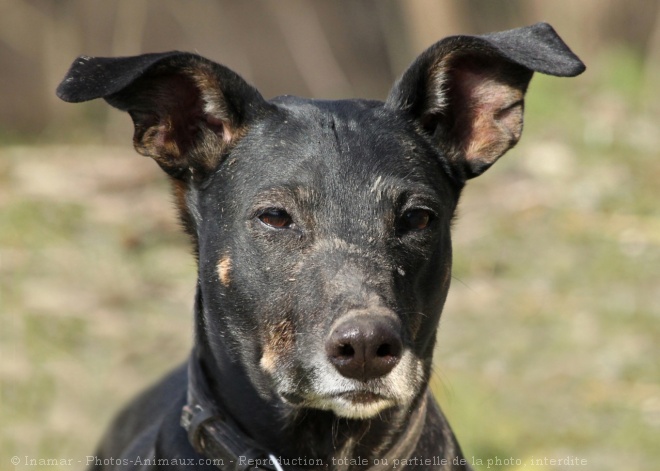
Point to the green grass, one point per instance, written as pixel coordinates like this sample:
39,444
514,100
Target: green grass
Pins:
97,287
548,343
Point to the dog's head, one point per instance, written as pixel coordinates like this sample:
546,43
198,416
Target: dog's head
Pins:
322,228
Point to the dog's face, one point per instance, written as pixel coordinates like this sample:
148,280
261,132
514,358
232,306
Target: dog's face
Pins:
325,213
322,229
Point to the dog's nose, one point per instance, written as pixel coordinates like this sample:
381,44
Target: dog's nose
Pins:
364,347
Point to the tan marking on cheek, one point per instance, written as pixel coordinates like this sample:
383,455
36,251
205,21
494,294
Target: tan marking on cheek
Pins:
280,340
268,360
224,270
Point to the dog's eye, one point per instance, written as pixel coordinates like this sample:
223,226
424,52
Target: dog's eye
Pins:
416,219
277,218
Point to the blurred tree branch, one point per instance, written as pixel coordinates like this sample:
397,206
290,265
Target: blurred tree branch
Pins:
307,47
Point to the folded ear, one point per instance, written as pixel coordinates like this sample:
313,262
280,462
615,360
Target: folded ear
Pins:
186,109
467,91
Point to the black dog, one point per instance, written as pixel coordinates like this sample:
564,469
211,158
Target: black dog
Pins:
322,234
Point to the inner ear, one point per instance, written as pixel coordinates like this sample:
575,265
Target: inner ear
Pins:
477,114
174,115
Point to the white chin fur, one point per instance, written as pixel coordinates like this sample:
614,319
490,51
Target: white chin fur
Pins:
348,409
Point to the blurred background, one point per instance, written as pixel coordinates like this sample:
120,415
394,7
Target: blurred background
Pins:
548,346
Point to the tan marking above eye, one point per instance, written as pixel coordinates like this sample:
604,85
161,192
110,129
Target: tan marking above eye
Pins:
224,270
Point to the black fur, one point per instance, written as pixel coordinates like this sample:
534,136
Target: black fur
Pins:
316,220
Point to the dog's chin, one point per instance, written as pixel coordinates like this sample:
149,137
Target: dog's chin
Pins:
349,405
357,405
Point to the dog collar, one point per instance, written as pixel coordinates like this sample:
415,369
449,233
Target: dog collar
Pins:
213,434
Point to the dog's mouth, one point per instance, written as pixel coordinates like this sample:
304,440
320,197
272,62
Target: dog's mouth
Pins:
361,397
356,397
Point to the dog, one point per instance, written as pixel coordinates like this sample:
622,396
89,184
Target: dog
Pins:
322,236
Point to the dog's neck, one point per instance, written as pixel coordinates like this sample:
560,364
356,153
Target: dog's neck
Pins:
288,431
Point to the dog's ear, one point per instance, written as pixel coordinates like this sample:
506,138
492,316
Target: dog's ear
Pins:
187,110
467,91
